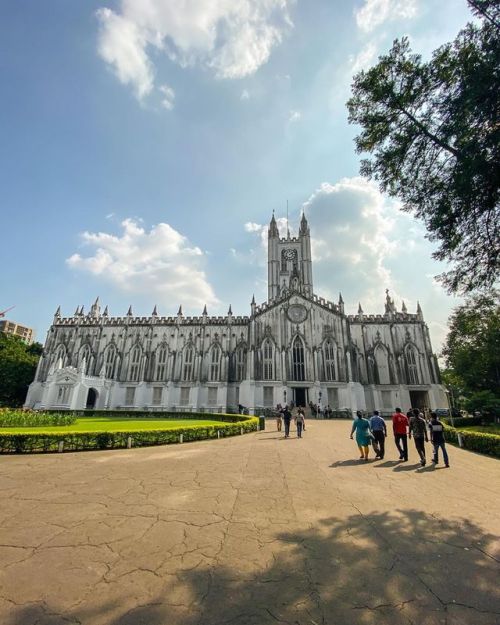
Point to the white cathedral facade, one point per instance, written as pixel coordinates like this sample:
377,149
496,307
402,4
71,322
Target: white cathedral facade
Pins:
296,347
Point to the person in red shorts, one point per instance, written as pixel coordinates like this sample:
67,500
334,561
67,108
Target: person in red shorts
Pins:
400,425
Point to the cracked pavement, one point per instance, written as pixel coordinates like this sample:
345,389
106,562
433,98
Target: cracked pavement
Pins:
249,530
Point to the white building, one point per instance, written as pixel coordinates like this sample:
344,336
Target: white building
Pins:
295,346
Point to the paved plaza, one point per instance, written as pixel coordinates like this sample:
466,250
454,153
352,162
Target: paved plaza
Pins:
251,530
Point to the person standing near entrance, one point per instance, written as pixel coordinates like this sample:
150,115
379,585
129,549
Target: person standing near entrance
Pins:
299,420
287,417
379,431
418,427
436,429
363,435
400,424
278,421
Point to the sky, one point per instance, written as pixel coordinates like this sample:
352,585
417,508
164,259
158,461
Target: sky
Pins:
144,145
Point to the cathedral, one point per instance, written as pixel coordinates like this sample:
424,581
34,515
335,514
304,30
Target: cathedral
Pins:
296,346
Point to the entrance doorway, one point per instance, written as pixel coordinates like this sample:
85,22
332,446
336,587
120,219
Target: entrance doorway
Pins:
91,399
300,396
420,400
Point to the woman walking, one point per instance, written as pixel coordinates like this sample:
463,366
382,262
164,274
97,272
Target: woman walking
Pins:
363,434
300,421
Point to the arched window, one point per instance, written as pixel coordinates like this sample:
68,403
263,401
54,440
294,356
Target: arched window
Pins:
298,365
187,370
135,364
267,360
215,363
240,360
329,350
85,355
382,362
60,354
161,363
411,365
110,362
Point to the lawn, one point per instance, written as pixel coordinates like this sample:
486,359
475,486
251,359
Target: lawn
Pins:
113,424
492,428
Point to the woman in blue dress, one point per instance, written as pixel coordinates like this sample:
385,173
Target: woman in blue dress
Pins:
363,434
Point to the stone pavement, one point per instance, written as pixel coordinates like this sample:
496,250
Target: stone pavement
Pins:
252,530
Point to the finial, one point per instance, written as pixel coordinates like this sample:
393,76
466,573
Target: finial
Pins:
179,312
360,310
403,308
105,313
205,313
96,303
82,311
287,224
229,312
419,310
341,301
77,311
155,312
253,300
58,312
129,313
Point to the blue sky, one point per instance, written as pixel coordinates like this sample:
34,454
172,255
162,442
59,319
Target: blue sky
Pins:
145,144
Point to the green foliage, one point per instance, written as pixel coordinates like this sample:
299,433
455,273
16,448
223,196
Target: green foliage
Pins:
488,444
18,363
472,348
486,402
432,128
79,441
27,418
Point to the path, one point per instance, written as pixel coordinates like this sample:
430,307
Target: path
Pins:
252,530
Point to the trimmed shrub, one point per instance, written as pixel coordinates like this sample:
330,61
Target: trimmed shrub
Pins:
461,422
28,418
79,441
488,444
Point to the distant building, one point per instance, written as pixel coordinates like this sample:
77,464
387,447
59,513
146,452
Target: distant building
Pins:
16,329
296,347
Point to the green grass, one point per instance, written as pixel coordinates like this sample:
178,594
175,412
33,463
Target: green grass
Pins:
492,428
111,424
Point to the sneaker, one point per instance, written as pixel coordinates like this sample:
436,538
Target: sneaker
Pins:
447,466
422,462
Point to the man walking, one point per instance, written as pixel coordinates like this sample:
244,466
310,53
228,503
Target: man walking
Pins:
287,417
418,427
299,420
399,426
379,431
436,429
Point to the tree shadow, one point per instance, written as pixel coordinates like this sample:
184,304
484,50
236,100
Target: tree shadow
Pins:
391,568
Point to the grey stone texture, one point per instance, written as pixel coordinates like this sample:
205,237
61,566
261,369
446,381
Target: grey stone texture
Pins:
252,530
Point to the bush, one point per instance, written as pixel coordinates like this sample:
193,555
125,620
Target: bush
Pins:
78,441
462,422
27,418
488,444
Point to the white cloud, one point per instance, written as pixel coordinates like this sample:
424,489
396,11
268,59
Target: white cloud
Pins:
364,58
245,95
373,13
161,264
168,97
294,116
232,37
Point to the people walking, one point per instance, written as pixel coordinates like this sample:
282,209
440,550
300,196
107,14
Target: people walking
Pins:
379,431
299,420
363,435
436,430
287,417
418,427
400,424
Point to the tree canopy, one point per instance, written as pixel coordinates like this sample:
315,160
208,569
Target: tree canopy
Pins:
18,363
433,132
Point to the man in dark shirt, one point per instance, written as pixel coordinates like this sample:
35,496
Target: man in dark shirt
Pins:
418,428
287,417
399,427
436,430
379,431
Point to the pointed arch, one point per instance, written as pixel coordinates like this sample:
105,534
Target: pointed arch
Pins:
85,354
60,354
330,360
215,355
134,369
161,359
267,351
188,363
298,360
240,361
411,360
381,357
110,358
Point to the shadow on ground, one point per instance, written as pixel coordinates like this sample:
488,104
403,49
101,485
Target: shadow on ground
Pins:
404,567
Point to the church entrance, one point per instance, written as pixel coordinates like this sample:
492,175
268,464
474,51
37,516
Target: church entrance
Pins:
419,399
91,399
300,396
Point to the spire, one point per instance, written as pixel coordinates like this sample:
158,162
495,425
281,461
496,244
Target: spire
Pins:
95,309
82,312
419,311
403,308
179,312
304,227
96,303
58,312
105,313
205,313
77,311
155,312
273,228
360,310
230,312
129,313
389,303
253,300
287,224
341,303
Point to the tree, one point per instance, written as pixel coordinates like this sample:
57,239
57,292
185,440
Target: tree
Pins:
472,347
433,130
18,363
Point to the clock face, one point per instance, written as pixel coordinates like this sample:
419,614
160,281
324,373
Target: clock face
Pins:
290,254
297,313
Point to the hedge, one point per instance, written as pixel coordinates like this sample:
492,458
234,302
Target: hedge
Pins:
488,444
466,421
79,441
26,418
